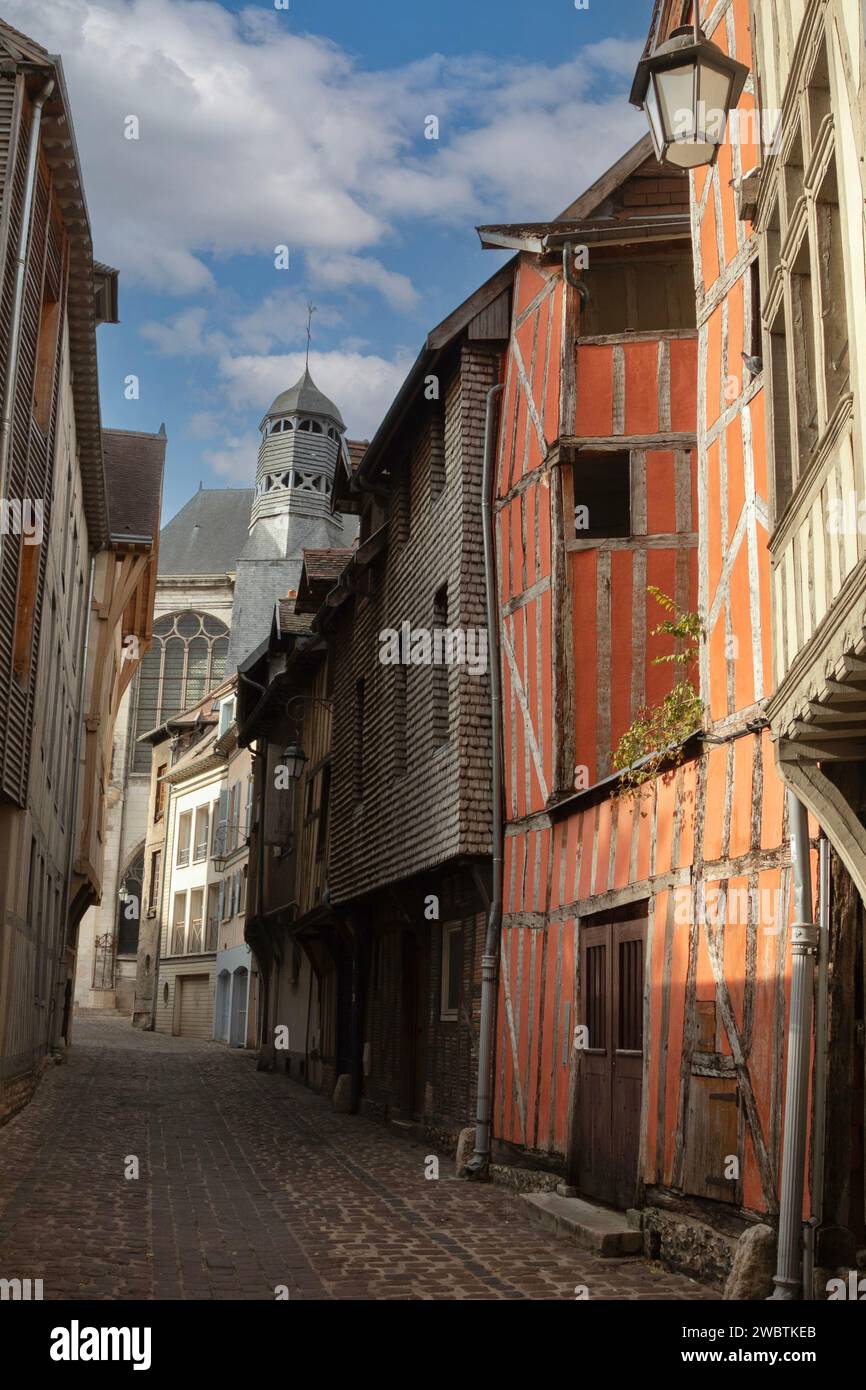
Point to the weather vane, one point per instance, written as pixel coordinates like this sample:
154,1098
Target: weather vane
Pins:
311,309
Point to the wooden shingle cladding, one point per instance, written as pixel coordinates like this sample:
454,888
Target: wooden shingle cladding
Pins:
398,825
31,454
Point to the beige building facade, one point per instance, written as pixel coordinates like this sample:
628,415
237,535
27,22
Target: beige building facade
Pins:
77,565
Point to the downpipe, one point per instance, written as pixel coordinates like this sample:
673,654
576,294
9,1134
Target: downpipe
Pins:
479,1162
819,1084
788,1278
18,291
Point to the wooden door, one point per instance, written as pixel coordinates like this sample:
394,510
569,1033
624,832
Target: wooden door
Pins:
610,1068
413,1026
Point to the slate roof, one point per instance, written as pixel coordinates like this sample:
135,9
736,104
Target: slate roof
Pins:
357,449
208,534
133,464
305,398
322,569
291,622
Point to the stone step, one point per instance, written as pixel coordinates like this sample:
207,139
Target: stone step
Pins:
595,1228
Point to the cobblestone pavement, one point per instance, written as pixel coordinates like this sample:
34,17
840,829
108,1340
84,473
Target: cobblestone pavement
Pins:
247,1181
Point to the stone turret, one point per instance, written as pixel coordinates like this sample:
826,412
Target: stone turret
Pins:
301,441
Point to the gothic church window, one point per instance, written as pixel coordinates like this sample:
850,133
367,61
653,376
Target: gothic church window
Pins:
186,659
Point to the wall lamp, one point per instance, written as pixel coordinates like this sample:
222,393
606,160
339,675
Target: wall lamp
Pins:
687,87
293,756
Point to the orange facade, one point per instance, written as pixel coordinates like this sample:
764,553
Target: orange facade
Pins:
696,865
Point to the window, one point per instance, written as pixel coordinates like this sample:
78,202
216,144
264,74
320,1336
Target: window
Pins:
25,610
155,871
222,822
452,969
602,495
831,276
184,833
781,412
324,800
639,296
803,334
213,916
178,924
439,673
159,798
227,714
226,899
196,925
242,904
46,356
186,660
248,818
201,830
129,907
233,817
755,345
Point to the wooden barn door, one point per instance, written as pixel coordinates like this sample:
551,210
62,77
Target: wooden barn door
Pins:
610,1080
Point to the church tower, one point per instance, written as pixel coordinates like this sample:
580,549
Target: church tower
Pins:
302,440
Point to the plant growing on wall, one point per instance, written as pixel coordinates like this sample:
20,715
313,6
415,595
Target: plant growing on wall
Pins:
657,735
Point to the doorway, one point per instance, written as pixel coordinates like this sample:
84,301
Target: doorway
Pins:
609,1084
413,1036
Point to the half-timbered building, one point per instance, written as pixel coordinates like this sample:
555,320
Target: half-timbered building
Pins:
640,1029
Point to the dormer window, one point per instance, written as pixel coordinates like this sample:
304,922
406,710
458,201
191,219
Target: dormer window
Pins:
278,426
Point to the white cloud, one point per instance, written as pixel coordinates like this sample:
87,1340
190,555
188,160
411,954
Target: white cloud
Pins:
253,135
186,335
349,272
363,385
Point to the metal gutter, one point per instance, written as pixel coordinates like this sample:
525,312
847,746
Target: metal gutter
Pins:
788,1278
819,1083
480,1160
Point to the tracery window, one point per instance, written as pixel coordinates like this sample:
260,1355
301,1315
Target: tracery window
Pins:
186,660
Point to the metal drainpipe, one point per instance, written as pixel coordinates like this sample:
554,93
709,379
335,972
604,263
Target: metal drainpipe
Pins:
76,777
18,291
819,1084
164,902
260,895
477,1165
804,942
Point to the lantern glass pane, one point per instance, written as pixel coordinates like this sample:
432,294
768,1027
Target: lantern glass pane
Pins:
714,91
651,106
676,93
690,154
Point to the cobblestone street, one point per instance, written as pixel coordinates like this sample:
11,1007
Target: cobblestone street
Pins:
247,1182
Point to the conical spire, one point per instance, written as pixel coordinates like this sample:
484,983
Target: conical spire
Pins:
305,398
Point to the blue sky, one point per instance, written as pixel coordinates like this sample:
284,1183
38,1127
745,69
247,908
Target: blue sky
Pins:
305,127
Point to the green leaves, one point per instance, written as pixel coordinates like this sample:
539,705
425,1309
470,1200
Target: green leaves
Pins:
657,734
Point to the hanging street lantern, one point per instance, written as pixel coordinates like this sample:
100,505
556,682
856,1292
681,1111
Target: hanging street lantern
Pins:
293,759
687,87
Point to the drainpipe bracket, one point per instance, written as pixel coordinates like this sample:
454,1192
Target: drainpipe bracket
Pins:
804,939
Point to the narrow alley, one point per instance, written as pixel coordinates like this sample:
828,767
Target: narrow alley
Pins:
247,1182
